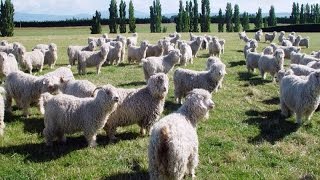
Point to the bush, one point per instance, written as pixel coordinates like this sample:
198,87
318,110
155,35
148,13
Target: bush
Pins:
164,29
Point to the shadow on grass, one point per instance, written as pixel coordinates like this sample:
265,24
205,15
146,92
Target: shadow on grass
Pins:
9,117
42,153
125,64
274,100
205,55
273,127
170,106
237,63
33,125
125,136
240,51
252,79
137,174
135,83
83,75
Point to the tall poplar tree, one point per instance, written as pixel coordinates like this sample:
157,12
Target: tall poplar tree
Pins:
317,13
258,20
302,15
122,17
179,17
191,18
186,19
228,16
272,20
158,16
132,19
152,19
236,18
113,11
205,16
220,21
295,15
96,23
6,18
245,21
195,16
308,13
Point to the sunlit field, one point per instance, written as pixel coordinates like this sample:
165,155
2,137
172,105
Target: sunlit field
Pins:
244,138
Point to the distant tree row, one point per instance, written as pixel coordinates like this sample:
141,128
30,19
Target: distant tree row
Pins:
6,18
305,13
188,18
115,21
233,20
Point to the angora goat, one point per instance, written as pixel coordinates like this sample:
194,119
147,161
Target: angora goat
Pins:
185,80
173,145
26,89
271,64
66,114
163,64
91,59
301,96
141,106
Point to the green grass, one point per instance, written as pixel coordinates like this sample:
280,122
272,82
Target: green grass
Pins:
244,138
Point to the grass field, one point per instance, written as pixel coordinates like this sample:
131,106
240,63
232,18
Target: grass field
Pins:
244,138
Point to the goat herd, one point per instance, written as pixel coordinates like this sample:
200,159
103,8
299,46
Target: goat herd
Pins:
70,105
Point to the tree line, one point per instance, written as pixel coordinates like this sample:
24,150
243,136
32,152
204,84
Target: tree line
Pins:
232,20
116,21
305,13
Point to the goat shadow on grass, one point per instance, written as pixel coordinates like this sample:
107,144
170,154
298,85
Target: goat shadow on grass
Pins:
206,55
137,174
42,153
273,127
83,75
170,107
125,64
274,100
124,136
135,83
33,125
237,63
252,79
10,117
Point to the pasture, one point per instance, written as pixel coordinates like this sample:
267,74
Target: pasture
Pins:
244,138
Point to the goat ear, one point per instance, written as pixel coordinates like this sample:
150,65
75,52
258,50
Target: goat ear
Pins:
62,80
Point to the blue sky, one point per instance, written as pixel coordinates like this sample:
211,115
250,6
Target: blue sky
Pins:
70,7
